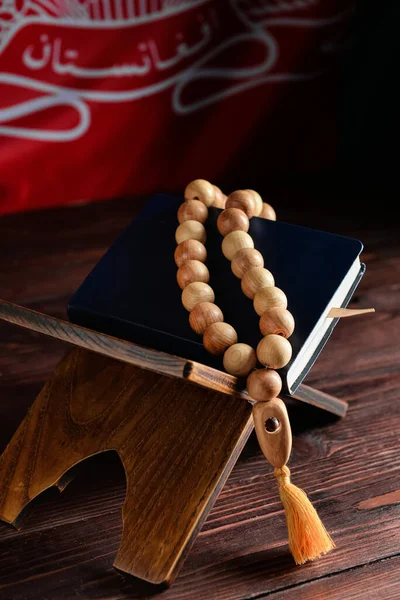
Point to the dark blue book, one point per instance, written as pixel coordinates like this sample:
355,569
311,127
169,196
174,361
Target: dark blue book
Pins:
132,292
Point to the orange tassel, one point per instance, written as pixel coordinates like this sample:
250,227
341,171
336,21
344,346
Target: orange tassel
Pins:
308,537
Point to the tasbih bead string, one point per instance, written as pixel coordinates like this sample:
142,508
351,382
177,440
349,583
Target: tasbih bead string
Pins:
307,535
276,324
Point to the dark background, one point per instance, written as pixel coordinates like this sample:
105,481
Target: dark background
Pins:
364,178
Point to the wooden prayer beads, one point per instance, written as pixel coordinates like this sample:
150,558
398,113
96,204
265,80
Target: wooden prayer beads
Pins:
191,271
274,351
196,292
190,250
220,198
256,279
232,219
244,200
240,359
307,535
268,297
202,190
276,323
193,210
234,241
190,230
276,448
277,320
203,315
218,337
264,384
259,204
246,259
268,212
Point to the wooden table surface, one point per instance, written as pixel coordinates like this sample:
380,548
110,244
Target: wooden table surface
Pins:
350,468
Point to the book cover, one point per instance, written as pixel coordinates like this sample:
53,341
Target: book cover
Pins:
132,292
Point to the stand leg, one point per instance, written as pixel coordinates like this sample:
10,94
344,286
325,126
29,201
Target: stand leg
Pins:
177,442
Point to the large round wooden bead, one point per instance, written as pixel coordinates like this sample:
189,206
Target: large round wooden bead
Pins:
239,360
268,212
244,200
218,337
274,351
232,219
202,190
258,202
203,315
267,298
189,250
277,320
245,259
192,270
234,241
256,279
264,385
193,210
190,230
197,292
220,198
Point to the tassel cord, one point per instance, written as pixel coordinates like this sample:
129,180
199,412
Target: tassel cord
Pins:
308,538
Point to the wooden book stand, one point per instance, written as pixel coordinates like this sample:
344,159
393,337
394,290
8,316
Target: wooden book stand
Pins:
177,441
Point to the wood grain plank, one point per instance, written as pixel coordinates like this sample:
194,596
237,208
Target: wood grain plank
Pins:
383,500
242,547
379,580
67,547
65,242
